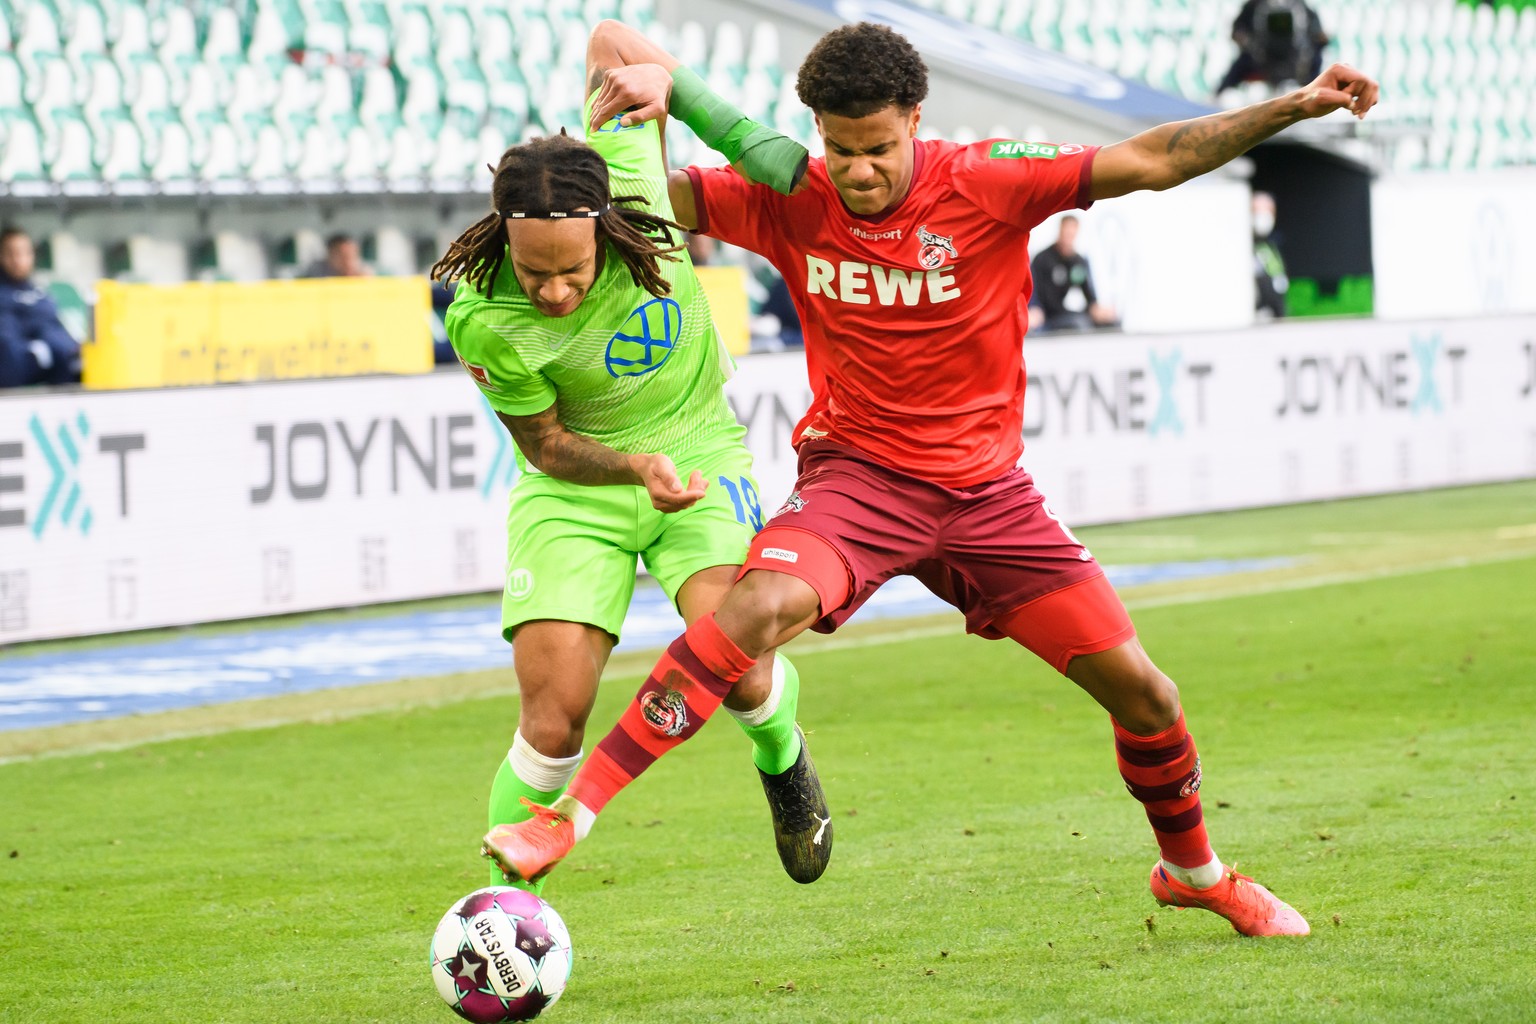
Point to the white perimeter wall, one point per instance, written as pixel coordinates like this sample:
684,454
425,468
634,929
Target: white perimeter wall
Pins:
128,510
1454,244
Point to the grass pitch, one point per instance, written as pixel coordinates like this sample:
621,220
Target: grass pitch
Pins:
1367,753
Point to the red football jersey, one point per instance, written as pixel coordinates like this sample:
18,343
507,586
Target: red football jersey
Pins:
914,318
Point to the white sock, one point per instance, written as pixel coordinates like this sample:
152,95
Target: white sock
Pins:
582,817
1202,877
535,769
770,705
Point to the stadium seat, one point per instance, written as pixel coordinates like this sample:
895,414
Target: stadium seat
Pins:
728,55
266,151
363,156
120,149
37,33
169,149
320,153
21,146
368,32
50,82
224,44
74,313
68,151
413,36
215,148
408,154
454,34
85,35
325,27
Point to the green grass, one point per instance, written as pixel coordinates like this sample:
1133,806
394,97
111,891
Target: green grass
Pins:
1367,753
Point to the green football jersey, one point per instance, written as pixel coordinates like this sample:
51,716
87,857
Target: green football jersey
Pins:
633,371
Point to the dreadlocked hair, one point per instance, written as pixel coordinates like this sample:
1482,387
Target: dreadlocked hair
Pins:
559,173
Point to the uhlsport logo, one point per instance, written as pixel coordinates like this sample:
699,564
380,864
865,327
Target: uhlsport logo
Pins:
519,584
646,340
933,249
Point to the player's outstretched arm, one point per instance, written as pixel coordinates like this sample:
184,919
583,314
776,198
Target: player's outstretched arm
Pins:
647,81
1171,154
566,455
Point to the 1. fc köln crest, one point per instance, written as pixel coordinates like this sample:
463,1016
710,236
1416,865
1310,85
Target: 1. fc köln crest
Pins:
933,250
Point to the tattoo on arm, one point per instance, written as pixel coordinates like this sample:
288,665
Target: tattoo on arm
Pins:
1206,143
557,451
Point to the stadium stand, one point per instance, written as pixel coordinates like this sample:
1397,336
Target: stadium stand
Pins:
1460,78
349,98
305,95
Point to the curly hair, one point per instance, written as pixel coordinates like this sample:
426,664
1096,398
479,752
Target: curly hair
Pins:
858,69
561,173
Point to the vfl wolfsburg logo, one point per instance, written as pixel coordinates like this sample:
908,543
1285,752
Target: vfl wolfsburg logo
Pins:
646,339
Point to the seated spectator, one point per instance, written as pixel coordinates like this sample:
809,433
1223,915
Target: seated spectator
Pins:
1064,298
343,258
34,346
1279,41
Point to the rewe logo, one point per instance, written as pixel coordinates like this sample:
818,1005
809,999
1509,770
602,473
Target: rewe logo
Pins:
849,281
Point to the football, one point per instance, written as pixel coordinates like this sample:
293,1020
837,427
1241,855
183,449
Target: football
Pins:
500,954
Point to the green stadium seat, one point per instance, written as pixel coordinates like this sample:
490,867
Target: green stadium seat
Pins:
74,312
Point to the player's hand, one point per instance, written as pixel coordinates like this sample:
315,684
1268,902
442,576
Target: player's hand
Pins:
665,486
1341,87
638,91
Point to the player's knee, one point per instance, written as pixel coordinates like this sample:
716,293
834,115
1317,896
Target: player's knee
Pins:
552,731
1151,702
764,608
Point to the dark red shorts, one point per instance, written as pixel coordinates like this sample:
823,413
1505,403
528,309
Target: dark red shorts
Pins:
990,549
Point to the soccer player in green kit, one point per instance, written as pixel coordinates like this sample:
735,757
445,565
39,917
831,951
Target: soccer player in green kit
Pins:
582,323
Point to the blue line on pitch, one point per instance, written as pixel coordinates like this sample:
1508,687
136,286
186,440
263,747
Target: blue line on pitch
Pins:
135,678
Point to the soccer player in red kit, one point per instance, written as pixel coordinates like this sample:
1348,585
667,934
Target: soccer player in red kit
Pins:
907,260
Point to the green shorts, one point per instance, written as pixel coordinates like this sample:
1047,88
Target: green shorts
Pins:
571,549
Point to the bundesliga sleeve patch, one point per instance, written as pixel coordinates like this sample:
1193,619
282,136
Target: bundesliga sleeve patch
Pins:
1023,151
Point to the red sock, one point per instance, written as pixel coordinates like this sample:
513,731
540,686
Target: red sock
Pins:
1163,772
679,695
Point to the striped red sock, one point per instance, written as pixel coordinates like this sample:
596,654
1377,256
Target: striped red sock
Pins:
1163,772
677,698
